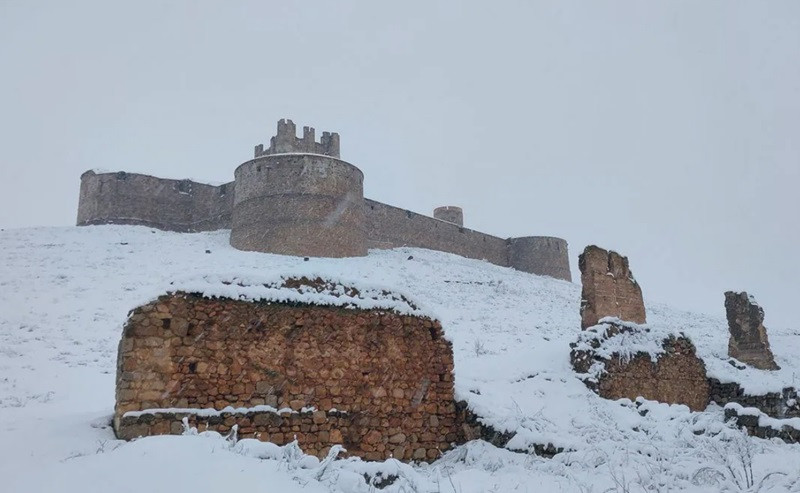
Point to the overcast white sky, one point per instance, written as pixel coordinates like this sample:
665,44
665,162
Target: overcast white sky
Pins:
669,131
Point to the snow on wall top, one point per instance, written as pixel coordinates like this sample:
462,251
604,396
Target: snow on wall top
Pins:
604,342
313,289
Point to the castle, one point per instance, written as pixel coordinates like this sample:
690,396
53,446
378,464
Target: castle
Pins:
297,197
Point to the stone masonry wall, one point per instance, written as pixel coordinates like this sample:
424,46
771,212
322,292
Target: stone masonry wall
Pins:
678,376
542,255
784,404
377,382
391,227
172,205
761,425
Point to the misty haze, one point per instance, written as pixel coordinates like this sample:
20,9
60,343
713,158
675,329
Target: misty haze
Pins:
419,246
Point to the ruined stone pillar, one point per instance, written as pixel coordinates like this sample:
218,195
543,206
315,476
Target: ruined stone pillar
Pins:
748,337
609,289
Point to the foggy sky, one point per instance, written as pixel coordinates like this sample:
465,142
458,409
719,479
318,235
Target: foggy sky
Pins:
668,131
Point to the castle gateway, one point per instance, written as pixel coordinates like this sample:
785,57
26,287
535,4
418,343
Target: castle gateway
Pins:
297,197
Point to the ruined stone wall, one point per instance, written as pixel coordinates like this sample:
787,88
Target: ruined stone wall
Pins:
784,404
759,424
380,383
678,376
299,204
173,205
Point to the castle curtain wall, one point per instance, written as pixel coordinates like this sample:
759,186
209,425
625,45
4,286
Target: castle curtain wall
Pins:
391,227
172,205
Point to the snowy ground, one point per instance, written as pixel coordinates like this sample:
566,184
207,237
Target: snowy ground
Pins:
65,293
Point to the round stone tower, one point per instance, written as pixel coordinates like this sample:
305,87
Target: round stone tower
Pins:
542,255
298,198
450,213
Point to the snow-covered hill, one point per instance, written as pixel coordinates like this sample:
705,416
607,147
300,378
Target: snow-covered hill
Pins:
65,294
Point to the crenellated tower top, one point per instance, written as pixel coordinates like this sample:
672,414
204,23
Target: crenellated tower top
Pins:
286,142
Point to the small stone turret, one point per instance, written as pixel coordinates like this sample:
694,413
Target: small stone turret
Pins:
286,141
450,213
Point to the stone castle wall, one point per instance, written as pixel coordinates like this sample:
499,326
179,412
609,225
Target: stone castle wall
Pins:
392,227
377,382
174,205
297,198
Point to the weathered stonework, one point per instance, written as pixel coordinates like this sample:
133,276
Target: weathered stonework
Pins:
609,288
297,197
677,376
761,425
175,205
299,204
783,404
378,382
285,141
450,213
748,337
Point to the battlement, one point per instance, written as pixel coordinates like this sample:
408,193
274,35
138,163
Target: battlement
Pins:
286,141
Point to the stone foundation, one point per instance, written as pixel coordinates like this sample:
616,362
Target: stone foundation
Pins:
379,383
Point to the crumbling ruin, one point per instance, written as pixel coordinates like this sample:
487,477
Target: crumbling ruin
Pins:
611,310
609,288
748,337
676,375
377,380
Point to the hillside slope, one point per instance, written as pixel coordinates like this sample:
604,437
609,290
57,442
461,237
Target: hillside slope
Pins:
65,294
